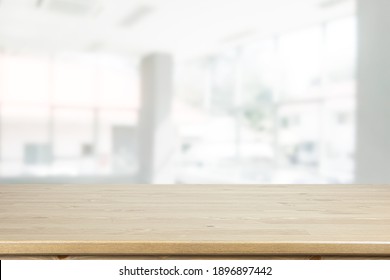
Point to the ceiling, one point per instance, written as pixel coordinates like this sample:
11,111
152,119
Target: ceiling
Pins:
185,27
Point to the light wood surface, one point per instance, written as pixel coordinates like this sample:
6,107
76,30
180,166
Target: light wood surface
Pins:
195,220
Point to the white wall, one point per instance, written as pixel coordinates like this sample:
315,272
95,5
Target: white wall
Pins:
373,101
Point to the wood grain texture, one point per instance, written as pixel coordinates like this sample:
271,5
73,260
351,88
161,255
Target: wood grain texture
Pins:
191,220
188,257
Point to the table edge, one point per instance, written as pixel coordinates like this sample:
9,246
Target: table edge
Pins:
192,248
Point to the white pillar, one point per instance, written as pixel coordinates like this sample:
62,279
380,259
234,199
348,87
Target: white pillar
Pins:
157,139
373,98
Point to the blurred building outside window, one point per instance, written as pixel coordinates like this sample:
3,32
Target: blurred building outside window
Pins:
277,110
280,110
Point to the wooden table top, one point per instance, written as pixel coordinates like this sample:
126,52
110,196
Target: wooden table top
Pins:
195,220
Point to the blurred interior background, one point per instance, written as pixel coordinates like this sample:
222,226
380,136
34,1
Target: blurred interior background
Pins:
194,91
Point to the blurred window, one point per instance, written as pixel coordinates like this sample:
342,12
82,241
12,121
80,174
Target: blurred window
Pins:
37,154
57,113
267,112
301,55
